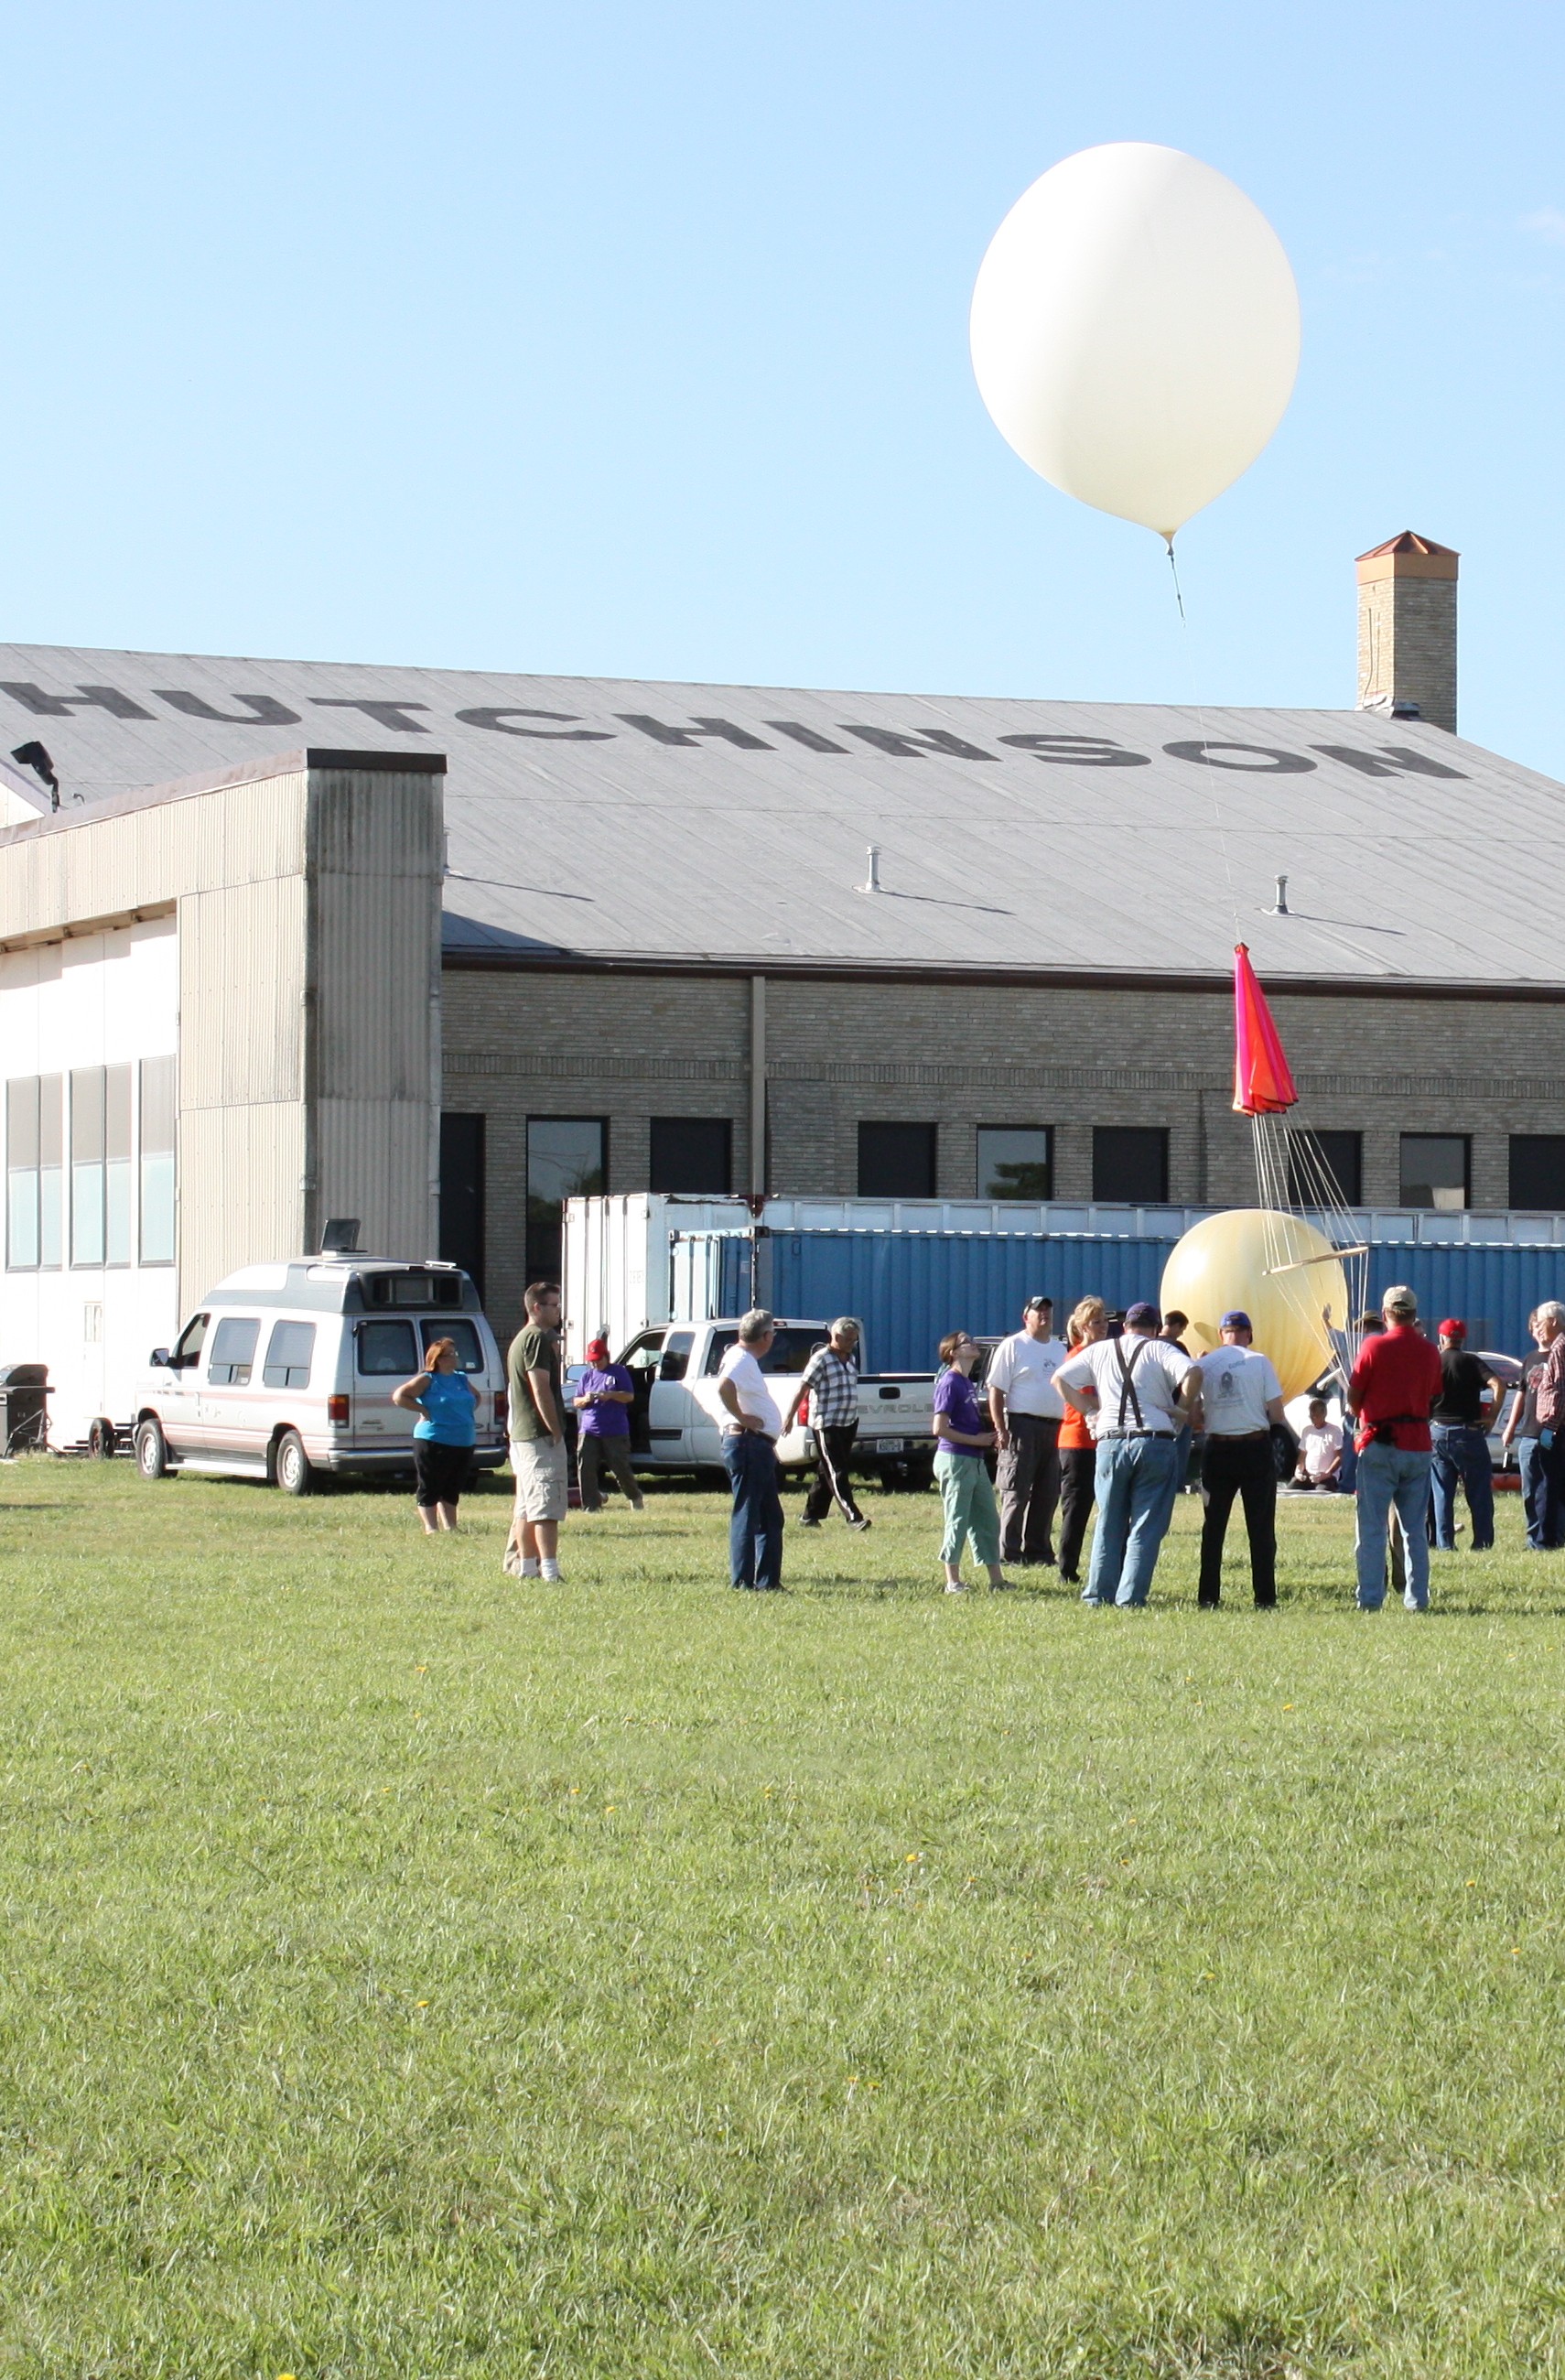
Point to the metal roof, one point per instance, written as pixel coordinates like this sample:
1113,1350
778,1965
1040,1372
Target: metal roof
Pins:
605,819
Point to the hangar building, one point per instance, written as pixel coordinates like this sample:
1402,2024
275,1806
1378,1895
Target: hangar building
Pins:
280,941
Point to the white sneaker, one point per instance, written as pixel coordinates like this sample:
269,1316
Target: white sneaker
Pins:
551,1572
956,1587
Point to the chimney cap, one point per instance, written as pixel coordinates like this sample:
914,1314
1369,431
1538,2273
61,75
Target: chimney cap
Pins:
1408,556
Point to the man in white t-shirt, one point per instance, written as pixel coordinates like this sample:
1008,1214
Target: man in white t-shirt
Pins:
1320,1450
751,1426
1138,1391
1241,1399
1027,1411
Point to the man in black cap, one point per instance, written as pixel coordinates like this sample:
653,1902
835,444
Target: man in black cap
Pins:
1027,1412
1241,1398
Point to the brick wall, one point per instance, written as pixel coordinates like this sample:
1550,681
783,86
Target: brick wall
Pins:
628,1047
1407,644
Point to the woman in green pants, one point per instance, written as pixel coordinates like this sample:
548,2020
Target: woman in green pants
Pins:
965,1493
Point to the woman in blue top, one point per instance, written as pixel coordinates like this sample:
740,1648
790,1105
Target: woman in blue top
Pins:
965,1493
443,1434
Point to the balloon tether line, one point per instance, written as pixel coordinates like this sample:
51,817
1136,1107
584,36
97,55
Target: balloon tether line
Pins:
1201,715
1173,565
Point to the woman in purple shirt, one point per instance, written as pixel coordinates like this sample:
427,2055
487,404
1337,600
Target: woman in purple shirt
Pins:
965,1493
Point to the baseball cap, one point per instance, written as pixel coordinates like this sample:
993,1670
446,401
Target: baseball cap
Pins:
1139,1317
1452,1328
1236,1321
597,1351
1399,1299
1036,1304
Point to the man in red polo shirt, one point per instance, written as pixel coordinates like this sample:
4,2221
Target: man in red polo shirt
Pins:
1395,1382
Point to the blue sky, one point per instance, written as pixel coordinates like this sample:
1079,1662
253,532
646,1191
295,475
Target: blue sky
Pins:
634,339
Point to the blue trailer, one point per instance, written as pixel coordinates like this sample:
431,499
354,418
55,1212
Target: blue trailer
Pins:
911,1287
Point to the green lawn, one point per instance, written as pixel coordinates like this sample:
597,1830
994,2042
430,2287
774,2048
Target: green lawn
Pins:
409,1972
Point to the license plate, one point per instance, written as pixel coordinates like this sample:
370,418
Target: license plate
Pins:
888,1446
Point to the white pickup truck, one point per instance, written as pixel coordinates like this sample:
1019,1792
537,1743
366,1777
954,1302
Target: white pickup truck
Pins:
674,1423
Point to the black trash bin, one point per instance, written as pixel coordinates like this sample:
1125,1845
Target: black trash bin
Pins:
24,1411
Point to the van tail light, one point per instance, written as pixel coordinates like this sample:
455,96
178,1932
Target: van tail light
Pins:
336,1412
502,1413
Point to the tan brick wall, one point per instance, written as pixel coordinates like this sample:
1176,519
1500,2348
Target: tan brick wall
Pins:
630,1048
1407,644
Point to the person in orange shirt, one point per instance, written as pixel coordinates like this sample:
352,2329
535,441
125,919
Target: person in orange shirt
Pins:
1078,1454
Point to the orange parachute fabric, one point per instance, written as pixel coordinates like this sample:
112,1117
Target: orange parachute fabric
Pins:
1262,1082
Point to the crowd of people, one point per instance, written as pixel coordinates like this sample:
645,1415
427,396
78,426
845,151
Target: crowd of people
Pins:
1115,1418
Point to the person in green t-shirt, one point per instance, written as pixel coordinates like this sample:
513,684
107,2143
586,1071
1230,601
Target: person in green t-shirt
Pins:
538,1437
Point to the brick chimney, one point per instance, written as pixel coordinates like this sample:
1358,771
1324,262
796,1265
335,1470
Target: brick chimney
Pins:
1407,630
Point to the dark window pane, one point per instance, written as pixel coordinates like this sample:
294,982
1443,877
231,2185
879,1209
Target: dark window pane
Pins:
676,1355
1130,1164
386,1351
1338,1156
895,1160
1434,1170
1537,1170
288,1354
463,1337
565,1160
790,1351
233,1352
693,1154
462,1195
1015,1161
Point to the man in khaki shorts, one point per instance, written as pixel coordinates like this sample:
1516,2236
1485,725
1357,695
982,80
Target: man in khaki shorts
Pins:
538,1437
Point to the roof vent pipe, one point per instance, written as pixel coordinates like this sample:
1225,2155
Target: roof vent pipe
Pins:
872,881
1279,906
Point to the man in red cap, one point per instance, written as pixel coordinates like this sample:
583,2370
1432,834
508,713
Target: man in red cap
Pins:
1458,1422
603,1398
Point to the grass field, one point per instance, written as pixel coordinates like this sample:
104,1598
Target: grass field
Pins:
408,1971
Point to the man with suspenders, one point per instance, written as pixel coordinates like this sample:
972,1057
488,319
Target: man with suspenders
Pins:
1137,1391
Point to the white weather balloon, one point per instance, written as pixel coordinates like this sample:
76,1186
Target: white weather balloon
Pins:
1135,331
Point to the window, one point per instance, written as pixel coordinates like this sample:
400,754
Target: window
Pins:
1130,1164
790,1351
157,1160
1338,1155
676,1355
87,1165
642,1354
1434,1170
463,1337
462,1195
1015,1161
385,1350
565,1160
187,1351
1537,1170
116,1165
415,1287
896,1160
21,1174
693,1154
233,1352
288,1354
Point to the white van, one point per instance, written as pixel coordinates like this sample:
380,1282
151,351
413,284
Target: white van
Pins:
287,1370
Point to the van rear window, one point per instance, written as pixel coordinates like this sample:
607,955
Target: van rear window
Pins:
386,1351
288,1354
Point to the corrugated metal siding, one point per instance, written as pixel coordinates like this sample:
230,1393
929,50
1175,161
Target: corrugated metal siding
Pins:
910,1288
240,1169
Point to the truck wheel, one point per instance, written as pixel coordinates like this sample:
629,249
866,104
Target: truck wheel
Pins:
152,1450
292,1468
100,1440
